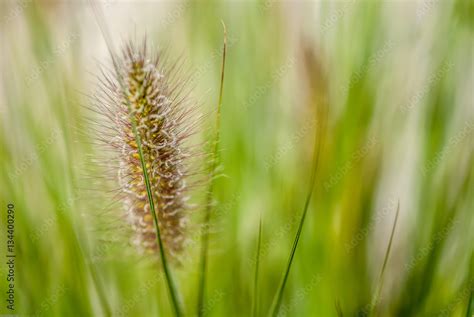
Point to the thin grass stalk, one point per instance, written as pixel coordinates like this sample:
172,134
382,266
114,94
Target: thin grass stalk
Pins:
316,155
469,304
171,287
208,211
375,300
257,264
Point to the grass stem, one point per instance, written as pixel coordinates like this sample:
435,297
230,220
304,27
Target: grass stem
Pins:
316,155
375,300
257,264
213,165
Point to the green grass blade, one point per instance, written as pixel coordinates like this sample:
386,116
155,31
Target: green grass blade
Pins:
470,303
316,155
279,296
375,300
170,283
213,165
257,264
337,304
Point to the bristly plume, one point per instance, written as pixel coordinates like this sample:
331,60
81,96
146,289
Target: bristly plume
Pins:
165,118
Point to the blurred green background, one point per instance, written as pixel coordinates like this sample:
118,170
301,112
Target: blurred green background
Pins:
397,77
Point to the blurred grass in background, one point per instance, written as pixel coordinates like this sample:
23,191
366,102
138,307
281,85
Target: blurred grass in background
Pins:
397,77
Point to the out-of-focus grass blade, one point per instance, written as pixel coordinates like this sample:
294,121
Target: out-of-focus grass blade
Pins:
318,140
385,261
338,309
469,306
212,169
257,264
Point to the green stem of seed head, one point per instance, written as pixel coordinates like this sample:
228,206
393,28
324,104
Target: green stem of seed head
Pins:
319,137
171,287
212,169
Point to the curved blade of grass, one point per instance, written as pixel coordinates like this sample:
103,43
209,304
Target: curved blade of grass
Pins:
316,154
213,165
171,287
470,285
470,303
385,261
337,304
257,264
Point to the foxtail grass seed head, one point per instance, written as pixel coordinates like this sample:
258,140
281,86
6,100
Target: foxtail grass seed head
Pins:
164,120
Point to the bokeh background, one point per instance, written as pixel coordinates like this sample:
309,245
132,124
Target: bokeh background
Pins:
397,79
